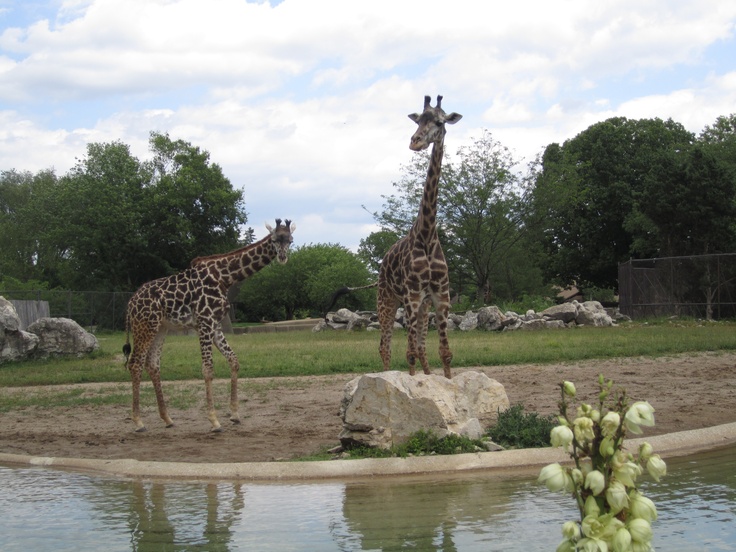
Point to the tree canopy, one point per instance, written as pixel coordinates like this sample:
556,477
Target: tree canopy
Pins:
479,220
620,189
628,188
113,222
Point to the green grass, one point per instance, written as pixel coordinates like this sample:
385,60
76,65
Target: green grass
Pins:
305,353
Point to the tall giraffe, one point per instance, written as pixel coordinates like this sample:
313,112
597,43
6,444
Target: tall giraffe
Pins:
195,298
414,271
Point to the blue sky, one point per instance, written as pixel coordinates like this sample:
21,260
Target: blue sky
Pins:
303,102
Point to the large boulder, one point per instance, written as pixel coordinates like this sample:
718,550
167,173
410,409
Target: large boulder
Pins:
592,313
384,409
566,312
491,319
9,319
15,344
62,336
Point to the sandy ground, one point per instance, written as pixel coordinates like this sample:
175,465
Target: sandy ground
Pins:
284,418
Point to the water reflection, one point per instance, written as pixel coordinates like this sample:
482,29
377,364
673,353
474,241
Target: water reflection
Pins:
42,509
165,516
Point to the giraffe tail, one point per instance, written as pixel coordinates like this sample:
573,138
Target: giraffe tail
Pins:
344,291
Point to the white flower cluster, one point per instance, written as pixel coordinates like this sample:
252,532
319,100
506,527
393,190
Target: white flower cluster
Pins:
614,515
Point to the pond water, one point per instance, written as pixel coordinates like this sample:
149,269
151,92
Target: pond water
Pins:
43,509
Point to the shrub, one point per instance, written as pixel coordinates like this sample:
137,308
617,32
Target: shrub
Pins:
517,429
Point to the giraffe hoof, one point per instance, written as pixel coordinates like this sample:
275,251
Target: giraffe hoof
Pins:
141,429
236,421
170,425
217,429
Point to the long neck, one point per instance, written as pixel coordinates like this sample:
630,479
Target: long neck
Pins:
239,264
426,223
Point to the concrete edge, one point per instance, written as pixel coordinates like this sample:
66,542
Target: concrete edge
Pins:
668,445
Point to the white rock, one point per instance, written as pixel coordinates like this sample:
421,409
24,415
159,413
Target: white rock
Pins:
384,409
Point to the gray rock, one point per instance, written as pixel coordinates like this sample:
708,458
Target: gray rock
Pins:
62,336
490,319
15,344
384,409
565,312
9,319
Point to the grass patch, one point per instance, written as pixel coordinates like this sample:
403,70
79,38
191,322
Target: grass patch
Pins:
303,353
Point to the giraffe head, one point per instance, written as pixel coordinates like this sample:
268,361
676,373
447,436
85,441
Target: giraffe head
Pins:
431,125
281,239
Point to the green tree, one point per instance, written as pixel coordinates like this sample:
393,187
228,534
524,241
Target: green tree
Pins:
190,208
482,219
685,206
112,222
97,222
585,191
25,206
479,221
304,286
374,247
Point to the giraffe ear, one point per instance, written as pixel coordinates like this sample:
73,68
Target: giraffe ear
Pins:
269,228
293,227
452,118
414,117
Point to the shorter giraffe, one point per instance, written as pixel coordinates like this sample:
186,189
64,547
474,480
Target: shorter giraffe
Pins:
195,298
414,271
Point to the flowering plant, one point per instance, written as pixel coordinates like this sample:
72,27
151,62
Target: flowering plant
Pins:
614,514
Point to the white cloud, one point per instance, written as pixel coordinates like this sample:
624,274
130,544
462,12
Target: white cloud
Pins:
304,103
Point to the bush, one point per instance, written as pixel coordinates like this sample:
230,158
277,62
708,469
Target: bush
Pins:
421,443
517,429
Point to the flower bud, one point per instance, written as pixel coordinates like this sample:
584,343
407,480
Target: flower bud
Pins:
640,530
641,507
556,478
656,467
616,496
640,413
583,428
571,530
569,388
565,546
622,541
627,473
561,436
595,481
591,507
645,451
610,424
606,447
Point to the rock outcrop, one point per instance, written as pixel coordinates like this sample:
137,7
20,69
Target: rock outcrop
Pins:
45,337
384,409
62,336
566,315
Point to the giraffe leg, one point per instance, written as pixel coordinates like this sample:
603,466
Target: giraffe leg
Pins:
443,310
206,338
141,349
422,324
135,375
387,306
411,308
153,367
223,346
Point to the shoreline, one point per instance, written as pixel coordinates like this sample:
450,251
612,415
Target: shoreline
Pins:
516,460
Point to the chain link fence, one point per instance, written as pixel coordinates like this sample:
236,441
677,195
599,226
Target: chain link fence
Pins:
92,310
700,286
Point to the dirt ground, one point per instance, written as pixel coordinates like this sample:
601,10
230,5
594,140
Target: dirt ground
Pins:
284,418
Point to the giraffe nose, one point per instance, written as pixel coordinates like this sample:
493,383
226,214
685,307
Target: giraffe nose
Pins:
416,144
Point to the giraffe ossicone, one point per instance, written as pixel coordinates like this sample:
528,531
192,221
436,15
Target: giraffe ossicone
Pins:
414,270
195,298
